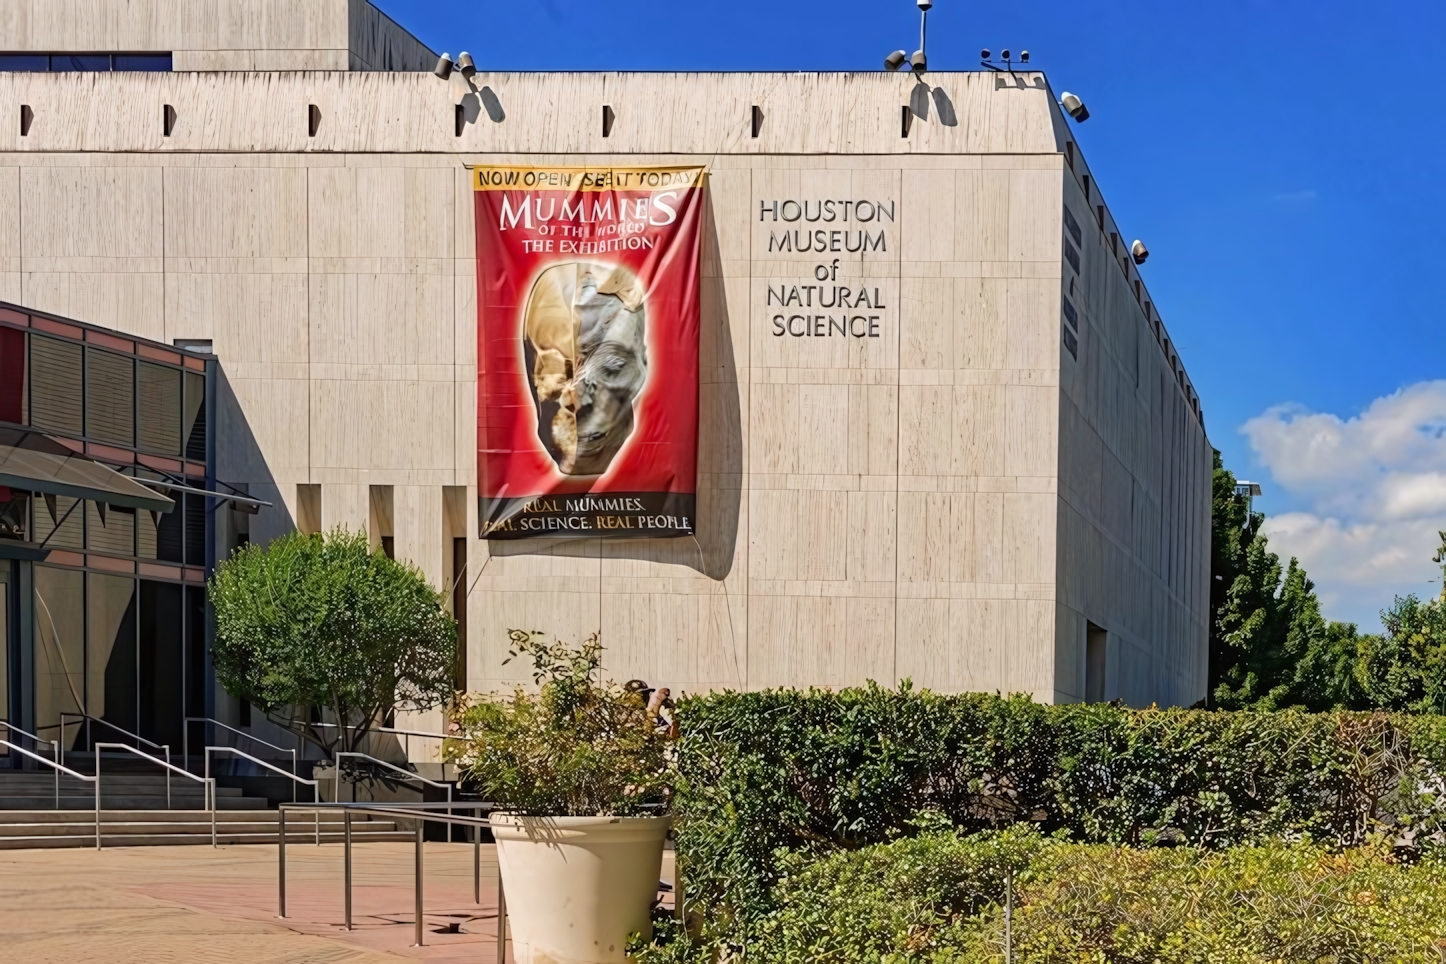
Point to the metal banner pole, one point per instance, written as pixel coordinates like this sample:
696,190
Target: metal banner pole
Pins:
281,863
346,845
420,824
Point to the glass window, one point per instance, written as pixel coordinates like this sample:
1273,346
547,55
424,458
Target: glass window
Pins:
59,650
55,386
147,524
169,529
110,657
23,62
58,522
195,530
12,375
14,514
142,61
67,62
110,529
160,408
194,417
161,662
110,397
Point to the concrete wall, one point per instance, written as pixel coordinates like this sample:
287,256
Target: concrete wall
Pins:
911,505
221,35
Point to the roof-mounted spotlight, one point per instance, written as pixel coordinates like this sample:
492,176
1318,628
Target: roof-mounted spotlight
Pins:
895,60
918,61
984,54
1074,107
1139,252
1024,56
925,4
444,66
465,64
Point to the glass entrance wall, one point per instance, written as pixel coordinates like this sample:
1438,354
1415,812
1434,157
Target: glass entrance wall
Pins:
6,648
59,649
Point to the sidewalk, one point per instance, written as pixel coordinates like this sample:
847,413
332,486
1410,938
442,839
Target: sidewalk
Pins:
195,905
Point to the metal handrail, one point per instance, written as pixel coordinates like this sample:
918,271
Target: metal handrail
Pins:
406,812
119,729
55,763
390,766
54,752
186,740
209,785
314,784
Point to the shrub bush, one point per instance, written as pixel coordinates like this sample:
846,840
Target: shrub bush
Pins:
766,775
938,898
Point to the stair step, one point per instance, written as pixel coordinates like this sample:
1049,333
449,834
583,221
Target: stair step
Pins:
181,839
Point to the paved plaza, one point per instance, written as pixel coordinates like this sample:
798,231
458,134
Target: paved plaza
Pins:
196,905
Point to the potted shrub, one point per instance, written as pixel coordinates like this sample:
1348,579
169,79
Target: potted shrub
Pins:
583,771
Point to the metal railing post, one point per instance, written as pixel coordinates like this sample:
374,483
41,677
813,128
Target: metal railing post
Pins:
346,862
420,824
296,773
97,798
167,748
281,863
316,825
477,859
211,792
55,752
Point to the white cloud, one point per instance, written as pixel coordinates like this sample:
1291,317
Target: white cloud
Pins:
1373,489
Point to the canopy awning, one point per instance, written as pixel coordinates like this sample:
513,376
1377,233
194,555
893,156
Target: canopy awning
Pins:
33,462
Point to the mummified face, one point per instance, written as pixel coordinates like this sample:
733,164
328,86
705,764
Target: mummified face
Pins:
584,336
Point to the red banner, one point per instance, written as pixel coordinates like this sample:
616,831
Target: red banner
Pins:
587,350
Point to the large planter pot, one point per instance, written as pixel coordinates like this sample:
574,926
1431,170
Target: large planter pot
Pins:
578,886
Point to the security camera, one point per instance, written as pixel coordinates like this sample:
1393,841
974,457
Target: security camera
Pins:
1004,55
465,64
984,54
1024,56
1074,107
1139,252
918,61
444,66
925,4
895,60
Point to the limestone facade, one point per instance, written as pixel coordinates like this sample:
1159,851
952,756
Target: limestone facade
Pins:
967,499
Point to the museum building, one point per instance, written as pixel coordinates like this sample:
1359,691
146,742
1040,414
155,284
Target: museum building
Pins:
942,431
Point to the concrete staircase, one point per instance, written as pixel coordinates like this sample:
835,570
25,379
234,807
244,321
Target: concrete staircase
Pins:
120,790
30,829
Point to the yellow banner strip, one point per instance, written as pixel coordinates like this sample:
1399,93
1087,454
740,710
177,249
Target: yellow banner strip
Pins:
520,178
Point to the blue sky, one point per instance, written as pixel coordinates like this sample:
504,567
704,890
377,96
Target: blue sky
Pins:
1281,159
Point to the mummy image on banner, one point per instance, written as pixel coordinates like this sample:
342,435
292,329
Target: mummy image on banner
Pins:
587,336
584,339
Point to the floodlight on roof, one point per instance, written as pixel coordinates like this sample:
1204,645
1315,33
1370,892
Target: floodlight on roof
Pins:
444,66
1139,252
465,64
1074,107
895,60
918,61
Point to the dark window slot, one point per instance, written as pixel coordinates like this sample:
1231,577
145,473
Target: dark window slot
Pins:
27,117
608,117
908,119
313,120
168,120
1069,154
756,119
459,120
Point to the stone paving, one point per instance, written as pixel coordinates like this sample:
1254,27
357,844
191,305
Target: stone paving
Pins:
195,905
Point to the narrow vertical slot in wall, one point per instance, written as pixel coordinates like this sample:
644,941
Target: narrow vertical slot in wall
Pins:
308,508
906,120
459,120
1096,651
756,119
313,120
607,118
380,502
454,568
27,117
168,120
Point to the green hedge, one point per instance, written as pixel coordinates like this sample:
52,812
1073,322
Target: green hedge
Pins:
937,898
768,774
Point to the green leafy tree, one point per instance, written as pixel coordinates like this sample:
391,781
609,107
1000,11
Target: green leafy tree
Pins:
1270,647
1405,667
315,621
